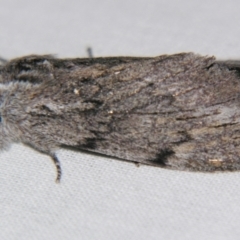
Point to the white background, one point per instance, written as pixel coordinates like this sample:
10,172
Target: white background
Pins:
103,198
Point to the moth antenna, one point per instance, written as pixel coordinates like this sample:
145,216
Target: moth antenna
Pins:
90,52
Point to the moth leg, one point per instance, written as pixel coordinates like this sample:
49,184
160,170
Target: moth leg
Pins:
90,52
58,167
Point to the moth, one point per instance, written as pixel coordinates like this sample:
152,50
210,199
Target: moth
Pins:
178,111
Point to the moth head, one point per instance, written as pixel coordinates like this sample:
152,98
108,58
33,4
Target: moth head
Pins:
5,138
6,133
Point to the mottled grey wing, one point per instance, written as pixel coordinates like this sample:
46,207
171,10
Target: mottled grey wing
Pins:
38,68
179,111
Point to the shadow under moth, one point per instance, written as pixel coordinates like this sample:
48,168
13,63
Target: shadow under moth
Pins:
177,111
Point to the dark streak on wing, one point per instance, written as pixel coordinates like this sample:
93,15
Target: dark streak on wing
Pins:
162,156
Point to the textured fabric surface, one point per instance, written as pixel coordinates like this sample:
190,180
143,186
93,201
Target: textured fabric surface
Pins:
103,198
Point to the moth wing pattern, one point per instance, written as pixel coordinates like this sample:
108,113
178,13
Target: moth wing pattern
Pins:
177,111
